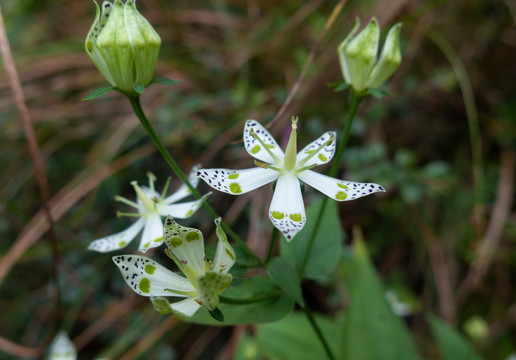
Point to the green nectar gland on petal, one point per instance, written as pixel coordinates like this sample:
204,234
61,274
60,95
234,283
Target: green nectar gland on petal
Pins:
291,151
146,201
315,152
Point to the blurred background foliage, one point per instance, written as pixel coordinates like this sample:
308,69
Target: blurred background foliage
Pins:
440,238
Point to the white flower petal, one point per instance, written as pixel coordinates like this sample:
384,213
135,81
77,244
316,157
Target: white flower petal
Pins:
152,233
287,211
183,190
224,255
253,146
62,348
119,240
339,190
237,182
182,210
187,244
323,156
185,308
148,278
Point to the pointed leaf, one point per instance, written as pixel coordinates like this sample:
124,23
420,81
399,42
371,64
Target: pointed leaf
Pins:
217,314
452,344
99,92
284,274
294,338
326,248
139,88
164,81
371,330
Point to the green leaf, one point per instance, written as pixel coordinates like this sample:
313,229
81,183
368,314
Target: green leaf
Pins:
217,314
377,93
341,87
284,274
371,330
294,338
270,304
326,248
99,92
164,81
452,344
139,88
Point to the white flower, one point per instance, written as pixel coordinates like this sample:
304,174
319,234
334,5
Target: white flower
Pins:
204,281
62,348
151,206
287,211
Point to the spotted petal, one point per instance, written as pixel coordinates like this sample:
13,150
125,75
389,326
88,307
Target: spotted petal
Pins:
253,146
152,233
183,190
148,278
287,211
224,255
185,308
211,285
186,244
119,240
339,190
62,348
237,182
322,156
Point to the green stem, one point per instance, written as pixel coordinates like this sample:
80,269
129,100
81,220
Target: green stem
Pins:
274,237
319,333
471,113
355,102
137,107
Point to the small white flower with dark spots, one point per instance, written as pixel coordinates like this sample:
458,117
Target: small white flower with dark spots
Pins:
151,207
204,280
287,211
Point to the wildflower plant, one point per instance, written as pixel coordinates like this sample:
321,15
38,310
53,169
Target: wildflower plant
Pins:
287,210
203,282
124,47
151,206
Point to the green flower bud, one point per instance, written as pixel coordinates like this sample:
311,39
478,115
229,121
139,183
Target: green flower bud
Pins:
358,56
123,45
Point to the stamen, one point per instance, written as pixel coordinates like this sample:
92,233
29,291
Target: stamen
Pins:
152,178
267,166
148,203
120,214
127,202
254,135
165,189
306,168
171,255
314,152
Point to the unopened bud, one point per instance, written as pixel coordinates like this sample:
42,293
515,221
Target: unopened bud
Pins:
123,45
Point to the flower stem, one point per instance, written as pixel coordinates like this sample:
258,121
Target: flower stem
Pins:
137,107
355,102
274,237
319,333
